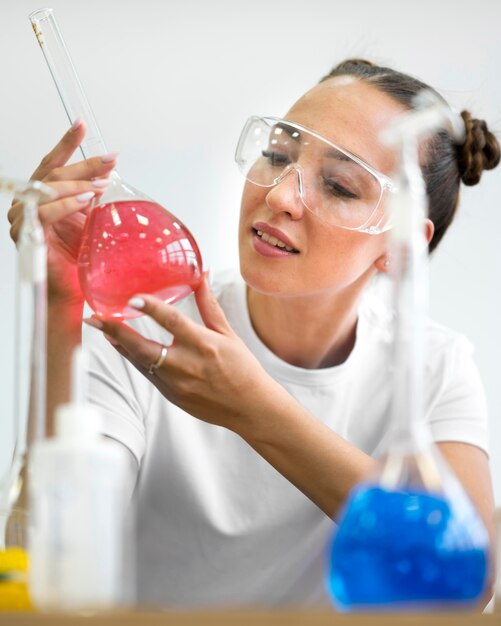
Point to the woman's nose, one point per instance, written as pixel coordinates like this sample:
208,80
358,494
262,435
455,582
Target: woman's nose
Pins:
285,196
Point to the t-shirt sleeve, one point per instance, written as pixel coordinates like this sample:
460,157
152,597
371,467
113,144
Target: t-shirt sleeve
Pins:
118,391
458,407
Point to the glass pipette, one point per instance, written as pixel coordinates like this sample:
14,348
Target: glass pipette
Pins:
130,244
410,538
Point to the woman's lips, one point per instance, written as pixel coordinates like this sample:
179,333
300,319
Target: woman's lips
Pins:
274,237
270,245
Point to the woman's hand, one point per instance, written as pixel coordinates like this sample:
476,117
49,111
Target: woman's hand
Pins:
63,218
208,371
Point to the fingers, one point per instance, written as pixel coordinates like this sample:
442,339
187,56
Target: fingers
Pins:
95,167
182,327
72,196
188,336
53,165
68,188
53,211
138,350
211,312
62,151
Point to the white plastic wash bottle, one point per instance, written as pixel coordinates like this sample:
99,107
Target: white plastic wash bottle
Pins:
77,508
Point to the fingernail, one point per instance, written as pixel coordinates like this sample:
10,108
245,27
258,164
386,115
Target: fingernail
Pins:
100,183
76,124
137,303
113,342
108,158
208,276
85,197
95,323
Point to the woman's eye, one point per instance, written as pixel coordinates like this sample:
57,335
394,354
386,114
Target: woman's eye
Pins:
338,190
275,158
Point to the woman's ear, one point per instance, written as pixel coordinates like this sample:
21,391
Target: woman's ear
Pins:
383,263
429,229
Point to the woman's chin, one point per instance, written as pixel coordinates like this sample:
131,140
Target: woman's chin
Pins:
261,280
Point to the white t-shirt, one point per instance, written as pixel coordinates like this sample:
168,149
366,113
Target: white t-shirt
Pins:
217,525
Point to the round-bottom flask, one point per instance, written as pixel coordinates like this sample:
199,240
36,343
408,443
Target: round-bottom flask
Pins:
131,245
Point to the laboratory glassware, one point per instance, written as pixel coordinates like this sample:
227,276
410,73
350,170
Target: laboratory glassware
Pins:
130,243
30,389
409,538
30,343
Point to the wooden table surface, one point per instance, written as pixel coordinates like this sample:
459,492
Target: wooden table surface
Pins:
277,618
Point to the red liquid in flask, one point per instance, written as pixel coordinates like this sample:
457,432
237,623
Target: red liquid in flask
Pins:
131,247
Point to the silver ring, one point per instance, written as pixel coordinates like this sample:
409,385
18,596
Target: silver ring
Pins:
159,362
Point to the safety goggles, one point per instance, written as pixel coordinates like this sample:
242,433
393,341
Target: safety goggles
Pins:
335,184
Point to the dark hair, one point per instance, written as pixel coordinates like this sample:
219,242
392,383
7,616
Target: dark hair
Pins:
446,164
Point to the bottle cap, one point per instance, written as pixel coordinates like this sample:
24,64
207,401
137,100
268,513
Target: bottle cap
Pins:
78,418
77,421
13,559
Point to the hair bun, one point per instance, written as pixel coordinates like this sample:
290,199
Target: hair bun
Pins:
479,152
347,63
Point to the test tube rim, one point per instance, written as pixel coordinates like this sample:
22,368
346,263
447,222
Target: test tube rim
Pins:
41,14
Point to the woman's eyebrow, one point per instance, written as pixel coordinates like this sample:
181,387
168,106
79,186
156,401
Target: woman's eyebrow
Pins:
335,153
289,130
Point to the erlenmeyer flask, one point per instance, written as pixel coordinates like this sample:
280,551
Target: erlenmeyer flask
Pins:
130,243
409,538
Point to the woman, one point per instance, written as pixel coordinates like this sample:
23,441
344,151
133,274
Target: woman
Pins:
271,401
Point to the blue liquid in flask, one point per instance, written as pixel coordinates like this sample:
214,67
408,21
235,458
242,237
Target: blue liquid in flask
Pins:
406,549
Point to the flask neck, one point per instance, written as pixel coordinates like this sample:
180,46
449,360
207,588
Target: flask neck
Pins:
410,301
410,305
66,79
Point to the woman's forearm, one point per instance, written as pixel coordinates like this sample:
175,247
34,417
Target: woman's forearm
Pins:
309,454
210,373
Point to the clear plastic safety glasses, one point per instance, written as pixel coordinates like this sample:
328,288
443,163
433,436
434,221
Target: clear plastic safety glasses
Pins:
336,185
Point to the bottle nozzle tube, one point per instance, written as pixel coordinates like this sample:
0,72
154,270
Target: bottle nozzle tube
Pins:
430,114
66,79
22,189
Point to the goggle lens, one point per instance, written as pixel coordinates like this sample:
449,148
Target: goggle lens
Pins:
337,187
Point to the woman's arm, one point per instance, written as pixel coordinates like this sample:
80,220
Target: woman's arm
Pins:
471,466
320,463
211,374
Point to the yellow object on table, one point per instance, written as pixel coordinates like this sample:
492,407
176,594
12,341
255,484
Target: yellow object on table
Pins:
13,560
14,595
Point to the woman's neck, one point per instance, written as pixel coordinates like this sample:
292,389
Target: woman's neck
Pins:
314,331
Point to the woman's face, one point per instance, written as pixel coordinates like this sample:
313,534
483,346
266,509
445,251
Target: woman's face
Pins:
326,258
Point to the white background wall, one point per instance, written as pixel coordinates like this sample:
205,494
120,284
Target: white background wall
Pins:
171,83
